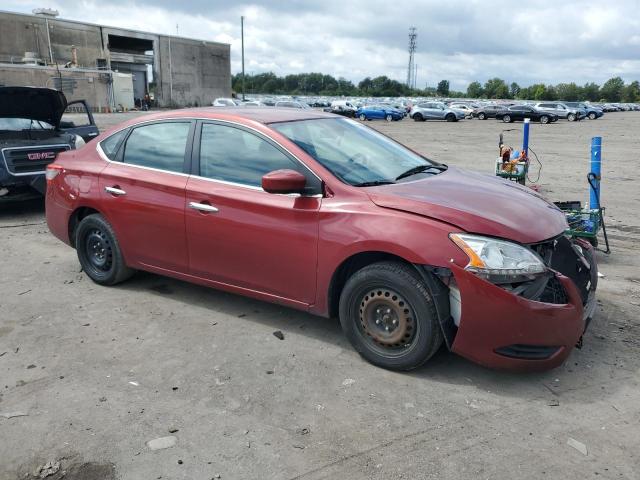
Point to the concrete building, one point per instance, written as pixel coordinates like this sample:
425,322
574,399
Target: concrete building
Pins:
81,59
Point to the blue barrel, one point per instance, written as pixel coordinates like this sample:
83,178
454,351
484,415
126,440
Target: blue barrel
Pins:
596,165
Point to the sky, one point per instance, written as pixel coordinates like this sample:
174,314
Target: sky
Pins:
549,41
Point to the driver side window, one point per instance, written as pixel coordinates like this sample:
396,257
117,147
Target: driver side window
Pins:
235,155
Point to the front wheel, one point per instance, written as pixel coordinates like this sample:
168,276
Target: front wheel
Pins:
362,117
389,316
481,116
506,119
418,117
99,251
544,119
388,118
592,116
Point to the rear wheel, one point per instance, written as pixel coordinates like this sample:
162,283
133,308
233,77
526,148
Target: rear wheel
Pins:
362,117
544,119
592,116
482,116
571,117
99,252
450,117
388,315
506,119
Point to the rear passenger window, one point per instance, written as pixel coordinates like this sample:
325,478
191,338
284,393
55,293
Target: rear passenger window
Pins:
111,145
159,145
235,155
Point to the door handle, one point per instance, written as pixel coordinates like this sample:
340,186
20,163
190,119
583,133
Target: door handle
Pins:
203,207
114,191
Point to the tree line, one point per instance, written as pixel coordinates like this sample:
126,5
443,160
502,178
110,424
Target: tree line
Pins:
613,90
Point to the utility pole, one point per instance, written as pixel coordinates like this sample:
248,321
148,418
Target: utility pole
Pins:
411,74
242,41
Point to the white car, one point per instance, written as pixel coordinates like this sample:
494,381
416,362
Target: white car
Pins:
463,107
226,102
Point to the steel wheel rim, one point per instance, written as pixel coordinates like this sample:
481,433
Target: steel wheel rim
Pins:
506,118
386,321
544,120
98,250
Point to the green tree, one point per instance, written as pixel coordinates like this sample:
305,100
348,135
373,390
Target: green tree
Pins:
474,90
568,91
631,92
496,88
590,92
443,88
611,91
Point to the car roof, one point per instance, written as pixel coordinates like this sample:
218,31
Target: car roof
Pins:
265,115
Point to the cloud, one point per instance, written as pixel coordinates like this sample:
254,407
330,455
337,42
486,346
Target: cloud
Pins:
460,40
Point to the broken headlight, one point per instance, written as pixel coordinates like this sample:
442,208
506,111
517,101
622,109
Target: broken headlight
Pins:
499,261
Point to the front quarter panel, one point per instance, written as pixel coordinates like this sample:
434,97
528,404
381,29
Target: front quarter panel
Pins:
357,226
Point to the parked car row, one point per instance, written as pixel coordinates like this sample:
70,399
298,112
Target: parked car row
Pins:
420,110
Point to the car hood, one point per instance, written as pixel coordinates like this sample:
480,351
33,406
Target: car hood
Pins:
42,104
476,203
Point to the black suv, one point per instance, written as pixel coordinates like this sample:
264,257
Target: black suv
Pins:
32,133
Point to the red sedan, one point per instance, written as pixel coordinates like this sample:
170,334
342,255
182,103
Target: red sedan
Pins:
324,214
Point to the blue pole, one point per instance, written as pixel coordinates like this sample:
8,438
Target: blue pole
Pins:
525,138
596,159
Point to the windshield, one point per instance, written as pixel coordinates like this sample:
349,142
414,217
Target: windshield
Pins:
19,124
356,154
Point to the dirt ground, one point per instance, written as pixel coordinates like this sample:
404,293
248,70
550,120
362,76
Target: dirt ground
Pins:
98,371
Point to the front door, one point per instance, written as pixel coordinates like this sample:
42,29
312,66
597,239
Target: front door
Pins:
143,193
78,119
237,233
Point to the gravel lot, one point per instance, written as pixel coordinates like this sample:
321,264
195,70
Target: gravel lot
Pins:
100,371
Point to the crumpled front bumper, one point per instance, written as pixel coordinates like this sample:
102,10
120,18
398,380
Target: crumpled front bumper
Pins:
494,320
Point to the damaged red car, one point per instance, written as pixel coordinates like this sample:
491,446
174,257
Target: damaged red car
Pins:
321,213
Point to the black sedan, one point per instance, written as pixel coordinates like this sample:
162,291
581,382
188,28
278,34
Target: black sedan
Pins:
488,111
520,112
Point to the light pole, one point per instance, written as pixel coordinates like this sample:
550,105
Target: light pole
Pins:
242,41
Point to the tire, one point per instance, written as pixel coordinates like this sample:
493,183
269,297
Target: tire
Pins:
99,252
571,117
399,298
362,117
418,117
592,116
388,118
450,117
506,118
482,116
544,119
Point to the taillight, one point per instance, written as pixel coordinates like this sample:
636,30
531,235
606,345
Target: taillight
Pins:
52,171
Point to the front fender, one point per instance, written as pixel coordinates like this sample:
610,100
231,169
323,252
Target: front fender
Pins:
346,230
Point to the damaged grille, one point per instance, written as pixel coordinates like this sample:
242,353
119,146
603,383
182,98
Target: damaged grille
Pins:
560,254
31,160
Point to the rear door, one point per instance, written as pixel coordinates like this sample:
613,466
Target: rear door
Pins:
143,192
78,119
240,235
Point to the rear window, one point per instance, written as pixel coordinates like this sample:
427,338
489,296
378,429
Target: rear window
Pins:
111,145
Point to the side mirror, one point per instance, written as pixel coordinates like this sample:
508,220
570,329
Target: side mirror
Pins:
284,181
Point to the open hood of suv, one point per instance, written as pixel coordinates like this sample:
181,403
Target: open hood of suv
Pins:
476,203
43,104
